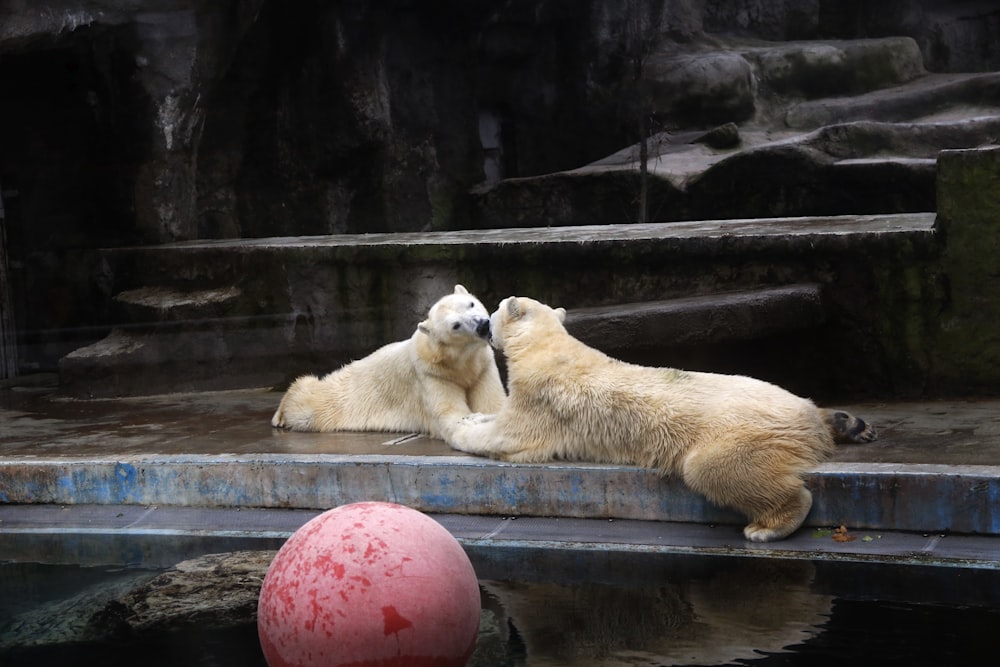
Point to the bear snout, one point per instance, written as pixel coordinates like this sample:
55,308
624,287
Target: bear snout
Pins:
483,329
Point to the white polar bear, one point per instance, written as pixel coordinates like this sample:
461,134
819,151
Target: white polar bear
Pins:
741,442
444,371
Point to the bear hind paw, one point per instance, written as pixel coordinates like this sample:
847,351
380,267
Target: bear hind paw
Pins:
848,429
782,523
754,532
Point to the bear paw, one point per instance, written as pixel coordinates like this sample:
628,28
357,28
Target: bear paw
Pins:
755,533
850,429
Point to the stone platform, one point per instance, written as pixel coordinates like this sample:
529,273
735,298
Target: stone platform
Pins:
935,471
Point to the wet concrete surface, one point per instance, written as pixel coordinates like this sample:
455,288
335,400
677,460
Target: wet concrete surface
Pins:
105,535
37,422
935,468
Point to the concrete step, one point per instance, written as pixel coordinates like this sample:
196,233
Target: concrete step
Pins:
153,306
768,173
935,469
903,497
711,318
160,537
921,97
181,348
254,312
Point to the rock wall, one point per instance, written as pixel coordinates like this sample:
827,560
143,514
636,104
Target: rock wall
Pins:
953,36
129,122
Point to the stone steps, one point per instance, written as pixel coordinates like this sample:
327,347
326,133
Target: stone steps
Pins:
257,312
179,338
189,350
769,173
922,97
935,468
772,99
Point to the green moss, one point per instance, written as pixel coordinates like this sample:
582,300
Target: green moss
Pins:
442,199
968,342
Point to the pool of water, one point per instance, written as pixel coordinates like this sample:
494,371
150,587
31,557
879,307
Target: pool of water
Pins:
580,608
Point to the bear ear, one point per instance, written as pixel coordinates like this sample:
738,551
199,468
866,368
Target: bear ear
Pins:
561,314
424,327
459,289
514,310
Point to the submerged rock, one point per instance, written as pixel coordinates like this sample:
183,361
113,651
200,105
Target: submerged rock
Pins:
67,619
216,591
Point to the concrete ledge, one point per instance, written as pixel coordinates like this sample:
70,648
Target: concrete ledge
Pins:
702,319
98,535
924,498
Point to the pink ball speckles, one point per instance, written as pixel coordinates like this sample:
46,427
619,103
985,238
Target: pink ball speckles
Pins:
369,584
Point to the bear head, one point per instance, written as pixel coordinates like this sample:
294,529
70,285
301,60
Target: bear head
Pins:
457,315
517,313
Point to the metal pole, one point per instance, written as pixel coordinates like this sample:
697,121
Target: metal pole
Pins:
8,341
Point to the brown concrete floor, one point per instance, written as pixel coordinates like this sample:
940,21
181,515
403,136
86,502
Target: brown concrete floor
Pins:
36,422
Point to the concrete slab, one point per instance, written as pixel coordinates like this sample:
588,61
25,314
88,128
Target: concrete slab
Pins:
104,535
936,468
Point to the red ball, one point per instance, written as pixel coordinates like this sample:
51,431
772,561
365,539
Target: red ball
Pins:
369,584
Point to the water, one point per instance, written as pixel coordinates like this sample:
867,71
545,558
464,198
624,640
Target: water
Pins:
651,609
581,608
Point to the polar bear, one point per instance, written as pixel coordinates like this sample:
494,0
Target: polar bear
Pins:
714,614
741,442
444,371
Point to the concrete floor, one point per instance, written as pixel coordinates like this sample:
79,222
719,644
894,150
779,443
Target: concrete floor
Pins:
36,422
934,471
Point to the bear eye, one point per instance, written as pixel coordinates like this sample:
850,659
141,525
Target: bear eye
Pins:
456,325
472,305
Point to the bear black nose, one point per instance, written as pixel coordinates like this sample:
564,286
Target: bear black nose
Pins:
483,329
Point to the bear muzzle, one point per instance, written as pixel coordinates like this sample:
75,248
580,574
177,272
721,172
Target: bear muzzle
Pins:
483,329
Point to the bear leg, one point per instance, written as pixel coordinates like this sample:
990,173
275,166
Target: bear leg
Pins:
296,410
778,524
490,435
762,482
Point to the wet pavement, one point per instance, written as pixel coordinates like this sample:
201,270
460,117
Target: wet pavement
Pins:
934,471
37,422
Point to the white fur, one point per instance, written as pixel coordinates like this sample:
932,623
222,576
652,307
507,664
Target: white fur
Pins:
741,442
422,384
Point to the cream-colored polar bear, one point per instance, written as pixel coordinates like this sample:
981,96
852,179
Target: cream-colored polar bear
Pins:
742,443
444,371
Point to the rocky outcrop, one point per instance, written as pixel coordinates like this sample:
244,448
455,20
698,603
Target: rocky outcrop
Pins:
216,591
201,610
241,118
811,128
136,124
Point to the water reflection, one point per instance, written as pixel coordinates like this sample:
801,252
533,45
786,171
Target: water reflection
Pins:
712,618
542,607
